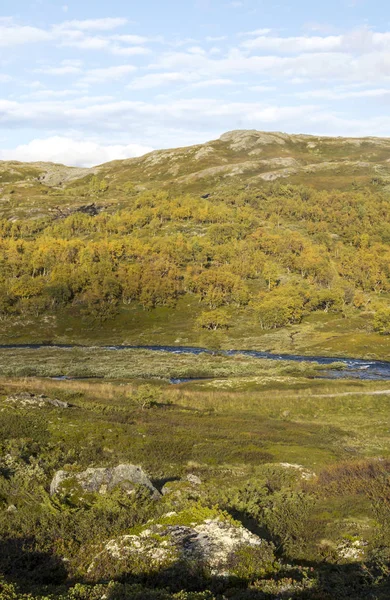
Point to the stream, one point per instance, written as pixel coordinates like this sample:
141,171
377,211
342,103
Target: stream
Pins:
353,368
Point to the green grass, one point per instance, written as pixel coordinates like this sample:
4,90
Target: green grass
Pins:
322,334
234,440
216,427
132,364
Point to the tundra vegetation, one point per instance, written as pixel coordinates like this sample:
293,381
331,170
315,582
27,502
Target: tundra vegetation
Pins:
258,480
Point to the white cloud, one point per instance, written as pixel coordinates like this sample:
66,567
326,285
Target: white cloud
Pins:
13,35
360,41
68,32
130,39
212,82
340,94
168,122
129,50
106,24
262,31
122,115
220,38
63,70
44,94
323,66
84,42
262,88
196,50
295,44
72,152
153,80
114,73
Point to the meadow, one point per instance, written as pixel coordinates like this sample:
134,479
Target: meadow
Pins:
270,445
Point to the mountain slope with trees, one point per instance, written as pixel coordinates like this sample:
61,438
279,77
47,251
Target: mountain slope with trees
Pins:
204,239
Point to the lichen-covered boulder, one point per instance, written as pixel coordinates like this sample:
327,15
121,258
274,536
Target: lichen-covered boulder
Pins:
102,480
27,400
207,539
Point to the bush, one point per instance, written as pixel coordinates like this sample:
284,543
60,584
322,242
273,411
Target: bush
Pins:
253,562
147,396
213,320
382,321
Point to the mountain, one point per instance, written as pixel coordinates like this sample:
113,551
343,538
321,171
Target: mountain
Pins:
258,157
247,157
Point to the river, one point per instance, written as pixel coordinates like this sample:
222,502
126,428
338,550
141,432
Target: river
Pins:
353,368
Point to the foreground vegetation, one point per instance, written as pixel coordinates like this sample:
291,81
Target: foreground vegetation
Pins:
307,471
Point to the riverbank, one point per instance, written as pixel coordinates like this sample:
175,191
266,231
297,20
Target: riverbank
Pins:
177,364
320,333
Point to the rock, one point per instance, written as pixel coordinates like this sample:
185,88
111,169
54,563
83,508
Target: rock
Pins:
210,543
89,209
194,479
246,139
26,400
11,508
305,473
351,550
102,480
204,152
54,175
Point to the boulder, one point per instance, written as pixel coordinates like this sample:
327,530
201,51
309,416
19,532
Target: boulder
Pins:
102,480
194,479
27,400
210,543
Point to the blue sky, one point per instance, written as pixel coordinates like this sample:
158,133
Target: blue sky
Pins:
83,82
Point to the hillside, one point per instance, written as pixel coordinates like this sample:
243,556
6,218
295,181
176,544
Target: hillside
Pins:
249,157
256,240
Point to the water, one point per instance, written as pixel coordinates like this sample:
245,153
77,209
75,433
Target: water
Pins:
353,368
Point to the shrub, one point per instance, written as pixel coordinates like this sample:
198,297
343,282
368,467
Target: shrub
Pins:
382,321
253,562
147,396
213,320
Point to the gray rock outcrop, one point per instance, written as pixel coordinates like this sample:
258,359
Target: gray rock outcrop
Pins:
102,480
27,400
210,543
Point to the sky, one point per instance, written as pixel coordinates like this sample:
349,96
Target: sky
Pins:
83,82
